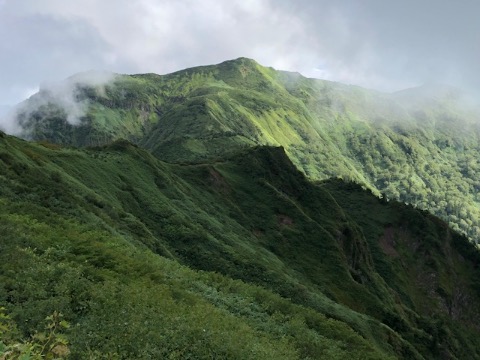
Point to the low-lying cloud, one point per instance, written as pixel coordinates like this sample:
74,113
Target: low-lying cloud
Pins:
64,95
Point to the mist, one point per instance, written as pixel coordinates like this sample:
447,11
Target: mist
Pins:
63,95
379,45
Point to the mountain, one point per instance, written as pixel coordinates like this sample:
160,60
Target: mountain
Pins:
419,146
239,257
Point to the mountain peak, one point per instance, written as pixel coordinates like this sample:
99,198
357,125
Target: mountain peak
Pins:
242,61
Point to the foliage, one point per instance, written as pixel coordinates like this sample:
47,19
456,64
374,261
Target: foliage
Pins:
419,146
240,257
50,344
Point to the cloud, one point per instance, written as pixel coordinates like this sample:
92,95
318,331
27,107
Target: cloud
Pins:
37,47
65,96
372,43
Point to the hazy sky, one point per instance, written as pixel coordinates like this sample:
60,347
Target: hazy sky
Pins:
382,44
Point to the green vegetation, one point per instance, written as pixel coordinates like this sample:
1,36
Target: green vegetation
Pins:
419,146
234,257
50,344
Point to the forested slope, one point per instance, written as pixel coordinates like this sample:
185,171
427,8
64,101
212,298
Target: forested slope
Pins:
240,257
419,145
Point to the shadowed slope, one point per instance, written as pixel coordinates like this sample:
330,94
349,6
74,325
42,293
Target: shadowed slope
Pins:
107,236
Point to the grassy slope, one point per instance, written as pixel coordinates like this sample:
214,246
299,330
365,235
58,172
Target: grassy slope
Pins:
419,146
115,239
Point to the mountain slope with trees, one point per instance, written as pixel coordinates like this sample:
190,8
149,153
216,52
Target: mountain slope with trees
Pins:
419,146
239,257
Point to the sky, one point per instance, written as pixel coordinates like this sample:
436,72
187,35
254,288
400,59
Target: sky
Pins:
381,44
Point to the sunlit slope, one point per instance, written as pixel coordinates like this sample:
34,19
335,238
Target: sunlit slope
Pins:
114,239
419,145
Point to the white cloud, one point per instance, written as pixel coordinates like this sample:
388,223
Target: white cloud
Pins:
64,94
164,36
382,45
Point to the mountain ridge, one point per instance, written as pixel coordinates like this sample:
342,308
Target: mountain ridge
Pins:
267,254
421,152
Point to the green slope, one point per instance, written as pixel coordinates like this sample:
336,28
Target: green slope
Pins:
419,146
235,258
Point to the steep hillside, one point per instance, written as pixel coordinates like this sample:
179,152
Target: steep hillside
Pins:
241,257
419,145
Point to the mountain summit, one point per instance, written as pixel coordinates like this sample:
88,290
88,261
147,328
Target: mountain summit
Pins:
419,145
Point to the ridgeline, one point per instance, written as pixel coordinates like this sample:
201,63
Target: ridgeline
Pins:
220,228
